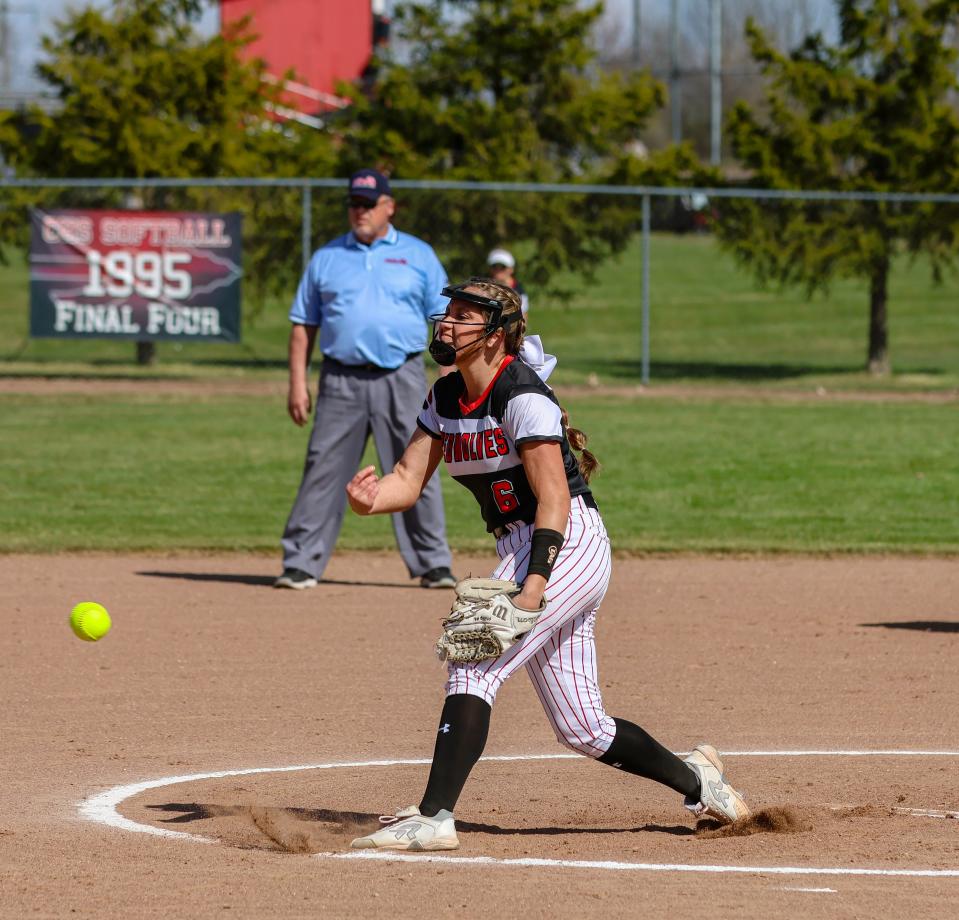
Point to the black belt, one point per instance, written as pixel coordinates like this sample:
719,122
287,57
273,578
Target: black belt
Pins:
588,501
369,366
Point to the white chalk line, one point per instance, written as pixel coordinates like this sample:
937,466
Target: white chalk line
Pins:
528,862
926,813
813,890
102,807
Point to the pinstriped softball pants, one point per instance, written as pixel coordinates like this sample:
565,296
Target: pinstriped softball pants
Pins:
559,653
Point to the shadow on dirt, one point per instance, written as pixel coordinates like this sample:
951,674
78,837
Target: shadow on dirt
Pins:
194,811
227,577
353,820
935,626
266,581
676,830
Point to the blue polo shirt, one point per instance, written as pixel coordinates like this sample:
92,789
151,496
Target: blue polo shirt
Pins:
371,302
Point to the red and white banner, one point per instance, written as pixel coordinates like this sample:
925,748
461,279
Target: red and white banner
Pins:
144,275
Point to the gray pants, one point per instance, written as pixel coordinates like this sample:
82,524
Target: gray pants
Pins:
351,404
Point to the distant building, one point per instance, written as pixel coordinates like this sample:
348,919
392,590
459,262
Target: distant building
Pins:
323,41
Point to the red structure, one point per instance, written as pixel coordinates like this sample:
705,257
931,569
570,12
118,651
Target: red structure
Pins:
322,40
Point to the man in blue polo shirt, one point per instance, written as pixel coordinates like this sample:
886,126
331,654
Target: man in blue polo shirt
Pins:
368,294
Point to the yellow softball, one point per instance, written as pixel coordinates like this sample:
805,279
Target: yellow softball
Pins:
90,621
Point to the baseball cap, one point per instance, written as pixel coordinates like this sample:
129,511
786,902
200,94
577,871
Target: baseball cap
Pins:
501,257
368,183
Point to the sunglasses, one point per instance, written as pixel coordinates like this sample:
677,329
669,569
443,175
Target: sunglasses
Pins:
361,204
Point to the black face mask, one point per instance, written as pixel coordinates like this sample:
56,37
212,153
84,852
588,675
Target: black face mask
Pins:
444,354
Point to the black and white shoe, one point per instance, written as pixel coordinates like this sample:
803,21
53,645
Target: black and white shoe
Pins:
296,579
438,578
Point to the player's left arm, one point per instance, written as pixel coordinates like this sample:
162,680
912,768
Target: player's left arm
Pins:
543,463
399,490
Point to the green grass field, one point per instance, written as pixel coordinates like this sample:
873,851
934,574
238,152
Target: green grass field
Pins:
710,324
111,473
681,474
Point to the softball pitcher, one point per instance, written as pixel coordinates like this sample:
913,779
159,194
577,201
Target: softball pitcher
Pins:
503,435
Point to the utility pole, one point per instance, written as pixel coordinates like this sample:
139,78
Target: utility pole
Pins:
715,81
675,97
637,33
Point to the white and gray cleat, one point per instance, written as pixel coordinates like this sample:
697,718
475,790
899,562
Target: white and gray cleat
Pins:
409,830
717,798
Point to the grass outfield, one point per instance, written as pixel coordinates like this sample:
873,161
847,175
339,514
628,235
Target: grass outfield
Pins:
710,324
110,473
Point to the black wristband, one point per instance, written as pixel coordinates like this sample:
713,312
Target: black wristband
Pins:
544,549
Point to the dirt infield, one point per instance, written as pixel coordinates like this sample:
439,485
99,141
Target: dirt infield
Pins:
803,668
276,386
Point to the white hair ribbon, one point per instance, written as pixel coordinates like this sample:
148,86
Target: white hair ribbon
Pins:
533,354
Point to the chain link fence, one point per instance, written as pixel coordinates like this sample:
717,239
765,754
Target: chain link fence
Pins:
674,304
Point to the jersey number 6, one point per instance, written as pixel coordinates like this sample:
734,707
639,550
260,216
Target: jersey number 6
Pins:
506,501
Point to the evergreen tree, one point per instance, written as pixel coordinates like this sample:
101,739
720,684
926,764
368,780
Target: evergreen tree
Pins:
508,90
873,113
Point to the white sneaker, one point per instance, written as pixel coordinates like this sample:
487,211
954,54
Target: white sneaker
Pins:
717,798
409,830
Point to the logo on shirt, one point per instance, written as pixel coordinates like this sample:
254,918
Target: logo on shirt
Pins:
397,261
463,446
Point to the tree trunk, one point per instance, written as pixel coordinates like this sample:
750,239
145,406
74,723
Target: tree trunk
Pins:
146,353
878,321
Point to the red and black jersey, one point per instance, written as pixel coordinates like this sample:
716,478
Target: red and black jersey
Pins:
481,439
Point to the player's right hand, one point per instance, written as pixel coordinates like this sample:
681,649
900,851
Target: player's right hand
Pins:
299,404
362,490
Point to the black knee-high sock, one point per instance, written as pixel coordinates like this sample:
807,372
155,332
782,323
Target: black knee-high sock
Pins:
635,751
460,739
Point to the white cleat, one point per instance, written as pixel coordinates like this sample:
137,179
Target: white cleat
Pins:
717,798
409,830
